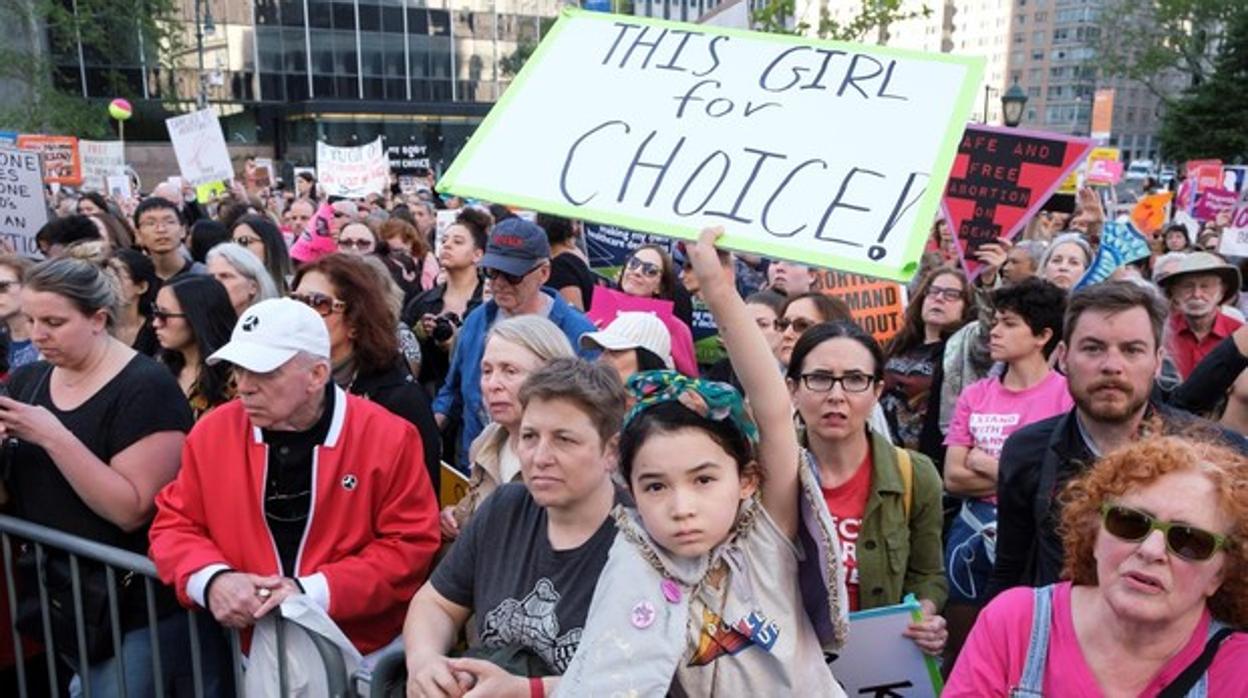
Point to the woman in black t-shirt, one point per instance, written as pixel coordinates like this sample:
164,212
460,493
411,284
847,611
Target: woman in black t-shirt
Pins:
93,433
569,272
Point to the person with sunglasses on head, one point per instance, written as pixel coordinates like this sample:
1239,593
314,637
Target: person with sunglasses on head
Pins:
364,347
193,318
912,372
137,285
259,235
1110,352
517,264
1156,585
884,500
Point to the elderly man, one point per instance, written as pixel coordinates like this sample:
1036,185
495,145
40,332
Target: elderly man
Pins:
1197,288
297,488
517,264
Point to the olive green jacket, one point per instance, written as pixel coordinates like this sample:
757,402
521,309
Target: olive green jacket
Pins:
896,558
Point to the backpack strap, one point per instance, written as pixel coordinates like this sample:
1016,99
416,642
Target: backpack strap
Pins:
906,467
1031,682
1186,683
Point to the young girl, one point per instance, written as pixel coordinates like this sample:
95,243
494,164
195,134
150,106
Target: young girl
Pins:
726,578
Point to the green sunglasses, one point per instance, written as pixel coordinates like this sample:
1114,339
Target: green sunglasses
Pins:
1188,542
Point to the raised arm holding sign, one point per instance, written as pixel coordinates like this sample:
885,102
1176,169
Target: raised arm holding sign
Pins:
828,153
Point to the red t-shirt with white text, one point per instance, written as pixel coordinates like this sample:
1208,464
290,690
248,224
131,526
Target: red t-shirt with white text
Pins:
847,503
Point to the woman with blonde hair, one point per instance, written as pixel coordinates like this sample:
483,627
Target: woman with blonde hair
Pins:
514,349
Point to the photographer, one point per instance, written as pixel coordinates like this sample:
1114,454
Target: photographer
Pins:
437,314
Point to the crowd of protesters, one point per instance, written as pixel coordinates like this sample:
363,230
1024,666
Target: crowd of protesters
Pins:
264,393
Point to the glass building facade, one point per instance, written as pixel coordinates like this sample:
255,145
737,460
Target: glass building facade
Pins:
289,72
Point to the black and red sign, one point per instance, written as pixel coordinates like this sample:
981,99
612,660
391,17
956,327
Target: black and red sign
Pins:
1000,179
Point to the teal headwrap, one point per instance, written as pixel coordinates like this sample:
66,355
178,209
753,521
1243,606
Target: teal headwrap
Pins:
710,399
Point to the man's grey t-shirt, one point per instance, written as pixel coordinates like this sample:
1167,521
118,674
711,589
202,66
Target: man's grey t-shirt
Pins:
521,591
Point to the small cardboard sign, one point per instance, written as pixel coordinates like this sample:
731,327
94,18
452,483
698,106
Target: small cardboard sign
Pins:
23,210
1151,212
827,153
101,160
1000,179
879,661
1212,202
353,172
199,145
453,486
61,161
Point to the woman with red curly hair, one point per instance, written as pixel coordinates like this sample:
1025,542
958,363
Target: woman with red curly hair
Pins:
1156,539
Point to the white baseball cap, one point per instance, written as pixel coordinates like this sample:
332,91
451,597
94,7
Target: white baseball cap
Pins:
633,330
270,333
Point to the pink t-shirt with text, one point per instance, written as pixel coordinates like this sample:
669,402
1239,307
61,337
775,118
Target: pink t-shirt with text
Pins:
987,412
991,661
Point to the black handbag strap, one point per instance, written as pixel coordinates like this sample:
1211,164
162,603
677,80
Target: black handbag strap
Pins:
1179,687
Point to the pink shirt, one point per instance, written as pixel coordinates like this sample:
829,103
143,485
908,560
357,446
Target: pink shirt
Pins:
991,661
987,412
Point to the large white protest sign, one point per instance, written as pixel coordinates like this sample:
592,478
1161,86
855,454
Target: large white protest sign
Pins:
200,148
879,661
353,172
828,153
101,160
22,208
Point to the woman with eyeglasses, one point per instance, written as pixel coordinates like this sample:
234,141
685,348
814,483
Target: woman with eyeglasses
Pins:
357,238
886,501
193,317
1154,536
650,273
801,313
912,370
364,348
137,285
262,237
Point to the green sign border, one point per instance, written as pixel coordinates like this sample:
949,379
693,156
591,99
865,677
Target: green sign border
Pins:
927,208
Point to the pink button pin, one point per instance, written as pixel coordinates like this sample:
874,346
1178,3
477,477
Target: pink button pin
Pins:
671,591
643,615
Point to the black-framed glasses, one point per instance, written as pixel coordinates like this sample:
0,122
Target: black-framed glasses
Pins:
947,294
799,324
323,305
512,279
1186,541
364,245
820,382
163,315
649,269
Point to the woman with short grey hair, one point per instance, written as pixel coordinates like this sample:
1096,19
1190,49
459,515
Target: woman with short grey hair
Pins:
242,274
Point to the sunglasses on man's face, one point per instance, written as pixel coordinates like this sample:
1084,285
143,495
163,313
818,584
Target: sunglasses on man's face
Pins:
512,279
649,269
1188,542
323,305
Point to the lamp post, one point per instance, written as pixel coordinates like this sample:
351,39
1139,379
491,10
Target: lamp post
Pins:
988,90
1013,102
204,26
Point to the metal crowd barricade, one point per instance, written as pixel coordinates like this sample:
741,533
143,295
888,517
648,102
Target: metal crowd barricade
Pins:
116,561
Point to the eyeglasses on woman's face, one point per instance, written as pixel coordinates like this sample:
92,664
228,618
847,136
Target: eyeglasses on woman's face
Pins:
323,305
361,244
820,382
1186,541
161,315
799,324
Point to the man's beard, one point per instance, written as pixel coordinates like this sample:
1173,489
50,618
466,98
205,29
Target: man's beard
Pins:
1115,413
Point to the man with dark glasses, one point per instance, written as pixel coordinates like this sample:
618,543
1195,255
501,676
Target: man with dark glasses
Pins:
517,266
1111,353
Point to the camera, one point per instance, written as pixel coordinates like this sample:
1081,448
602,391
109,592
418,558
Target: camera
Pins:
444,326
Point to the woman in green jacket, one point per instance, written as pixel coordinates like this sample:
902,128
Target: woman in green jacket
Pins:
886,502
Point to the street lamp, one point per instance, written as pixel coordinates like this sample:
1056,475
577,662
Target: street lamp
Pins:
988,90
1013,102
204,26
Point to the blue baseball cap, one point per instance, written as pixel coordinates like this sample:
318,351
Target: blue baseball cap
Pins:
516,247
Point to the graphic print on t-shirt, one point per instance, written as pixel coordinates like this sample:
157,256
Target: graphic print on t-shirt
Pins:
991,429
718,638
532,622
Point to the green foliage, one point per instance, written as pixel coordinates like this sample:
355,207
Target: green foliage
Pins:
510,65
1158,41
1208,120
110,28
776,16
